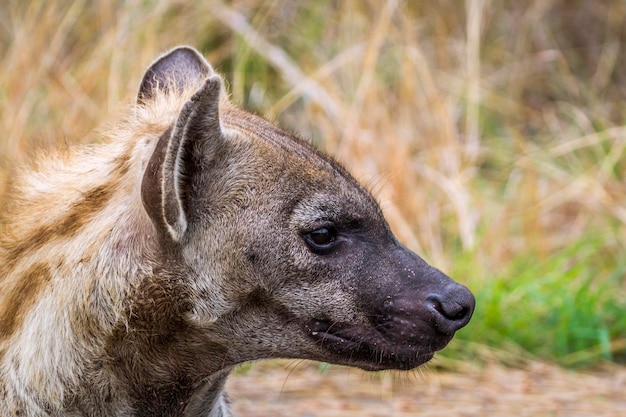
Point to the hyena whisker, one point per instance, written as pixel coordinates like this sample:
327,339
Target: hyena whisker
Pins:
290,369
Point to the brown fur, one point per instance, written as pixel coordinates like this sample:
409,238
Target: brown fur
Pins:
23,293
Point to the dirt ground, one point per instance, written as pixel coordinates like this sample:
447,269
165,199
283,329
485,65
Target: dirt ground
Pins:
303,389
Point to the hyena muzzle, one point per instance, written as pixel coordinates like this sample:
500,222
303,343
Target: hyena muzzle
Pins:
135,273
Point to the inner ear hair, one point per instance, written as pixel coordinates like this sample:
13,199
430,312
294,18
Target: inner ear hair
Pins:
167,182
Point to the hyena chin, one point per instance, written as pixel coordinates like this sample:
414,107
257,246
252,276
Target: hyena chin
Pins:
134,274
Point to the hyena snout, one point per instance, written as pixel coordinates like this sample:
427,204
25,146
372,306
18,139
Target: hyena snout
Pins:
411,311
445,310
416,310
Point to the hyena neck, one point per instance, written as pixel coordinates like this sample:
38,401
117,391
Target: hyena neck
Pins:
63,275
163,361
81,253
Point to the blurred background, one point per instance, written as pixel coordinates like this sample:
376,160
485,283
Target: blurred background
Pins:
492,133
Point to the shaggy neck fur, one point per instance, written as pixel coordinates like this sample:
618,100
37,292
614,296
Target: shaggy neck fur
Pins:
77,260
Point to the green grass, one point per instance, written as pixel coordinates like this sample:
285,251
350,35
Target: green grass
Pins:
568,309
491,132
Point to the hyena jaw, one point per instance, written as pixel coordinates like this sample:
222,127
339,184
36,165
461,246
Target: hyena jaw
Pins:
134,274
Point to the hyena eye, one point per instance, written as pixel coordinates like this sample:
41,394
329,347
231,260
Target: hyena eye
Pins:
322,239
322,236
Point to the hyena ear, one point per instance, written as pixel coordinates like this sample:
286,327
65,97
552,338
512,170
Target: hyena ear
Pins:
167,181
172,72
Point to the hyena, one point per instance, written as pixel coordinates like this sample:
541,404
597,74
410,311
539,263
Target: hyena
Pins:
136,273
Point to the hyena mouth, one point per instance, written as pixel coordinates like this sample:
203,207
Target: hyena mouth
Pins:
367,348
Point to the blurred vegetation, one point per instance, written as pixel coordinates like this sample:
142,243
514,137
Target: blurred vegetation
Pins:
492,132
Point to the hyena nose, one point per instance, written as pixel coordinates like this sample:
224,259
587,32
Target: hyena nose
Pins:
452,308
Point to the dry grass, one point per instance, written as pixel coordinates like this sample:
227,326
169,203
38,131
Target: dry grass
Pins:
420,101
490,131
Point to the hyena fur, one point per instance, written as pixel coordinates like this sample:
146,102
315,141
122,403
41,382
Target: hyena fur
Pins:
135,273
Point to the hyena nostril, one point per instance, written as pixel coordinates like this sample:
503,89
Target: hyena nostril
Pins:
452,309
451,312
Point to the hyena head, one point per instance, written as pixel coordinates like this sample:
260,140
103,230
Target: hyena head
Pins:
136,273
275,250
